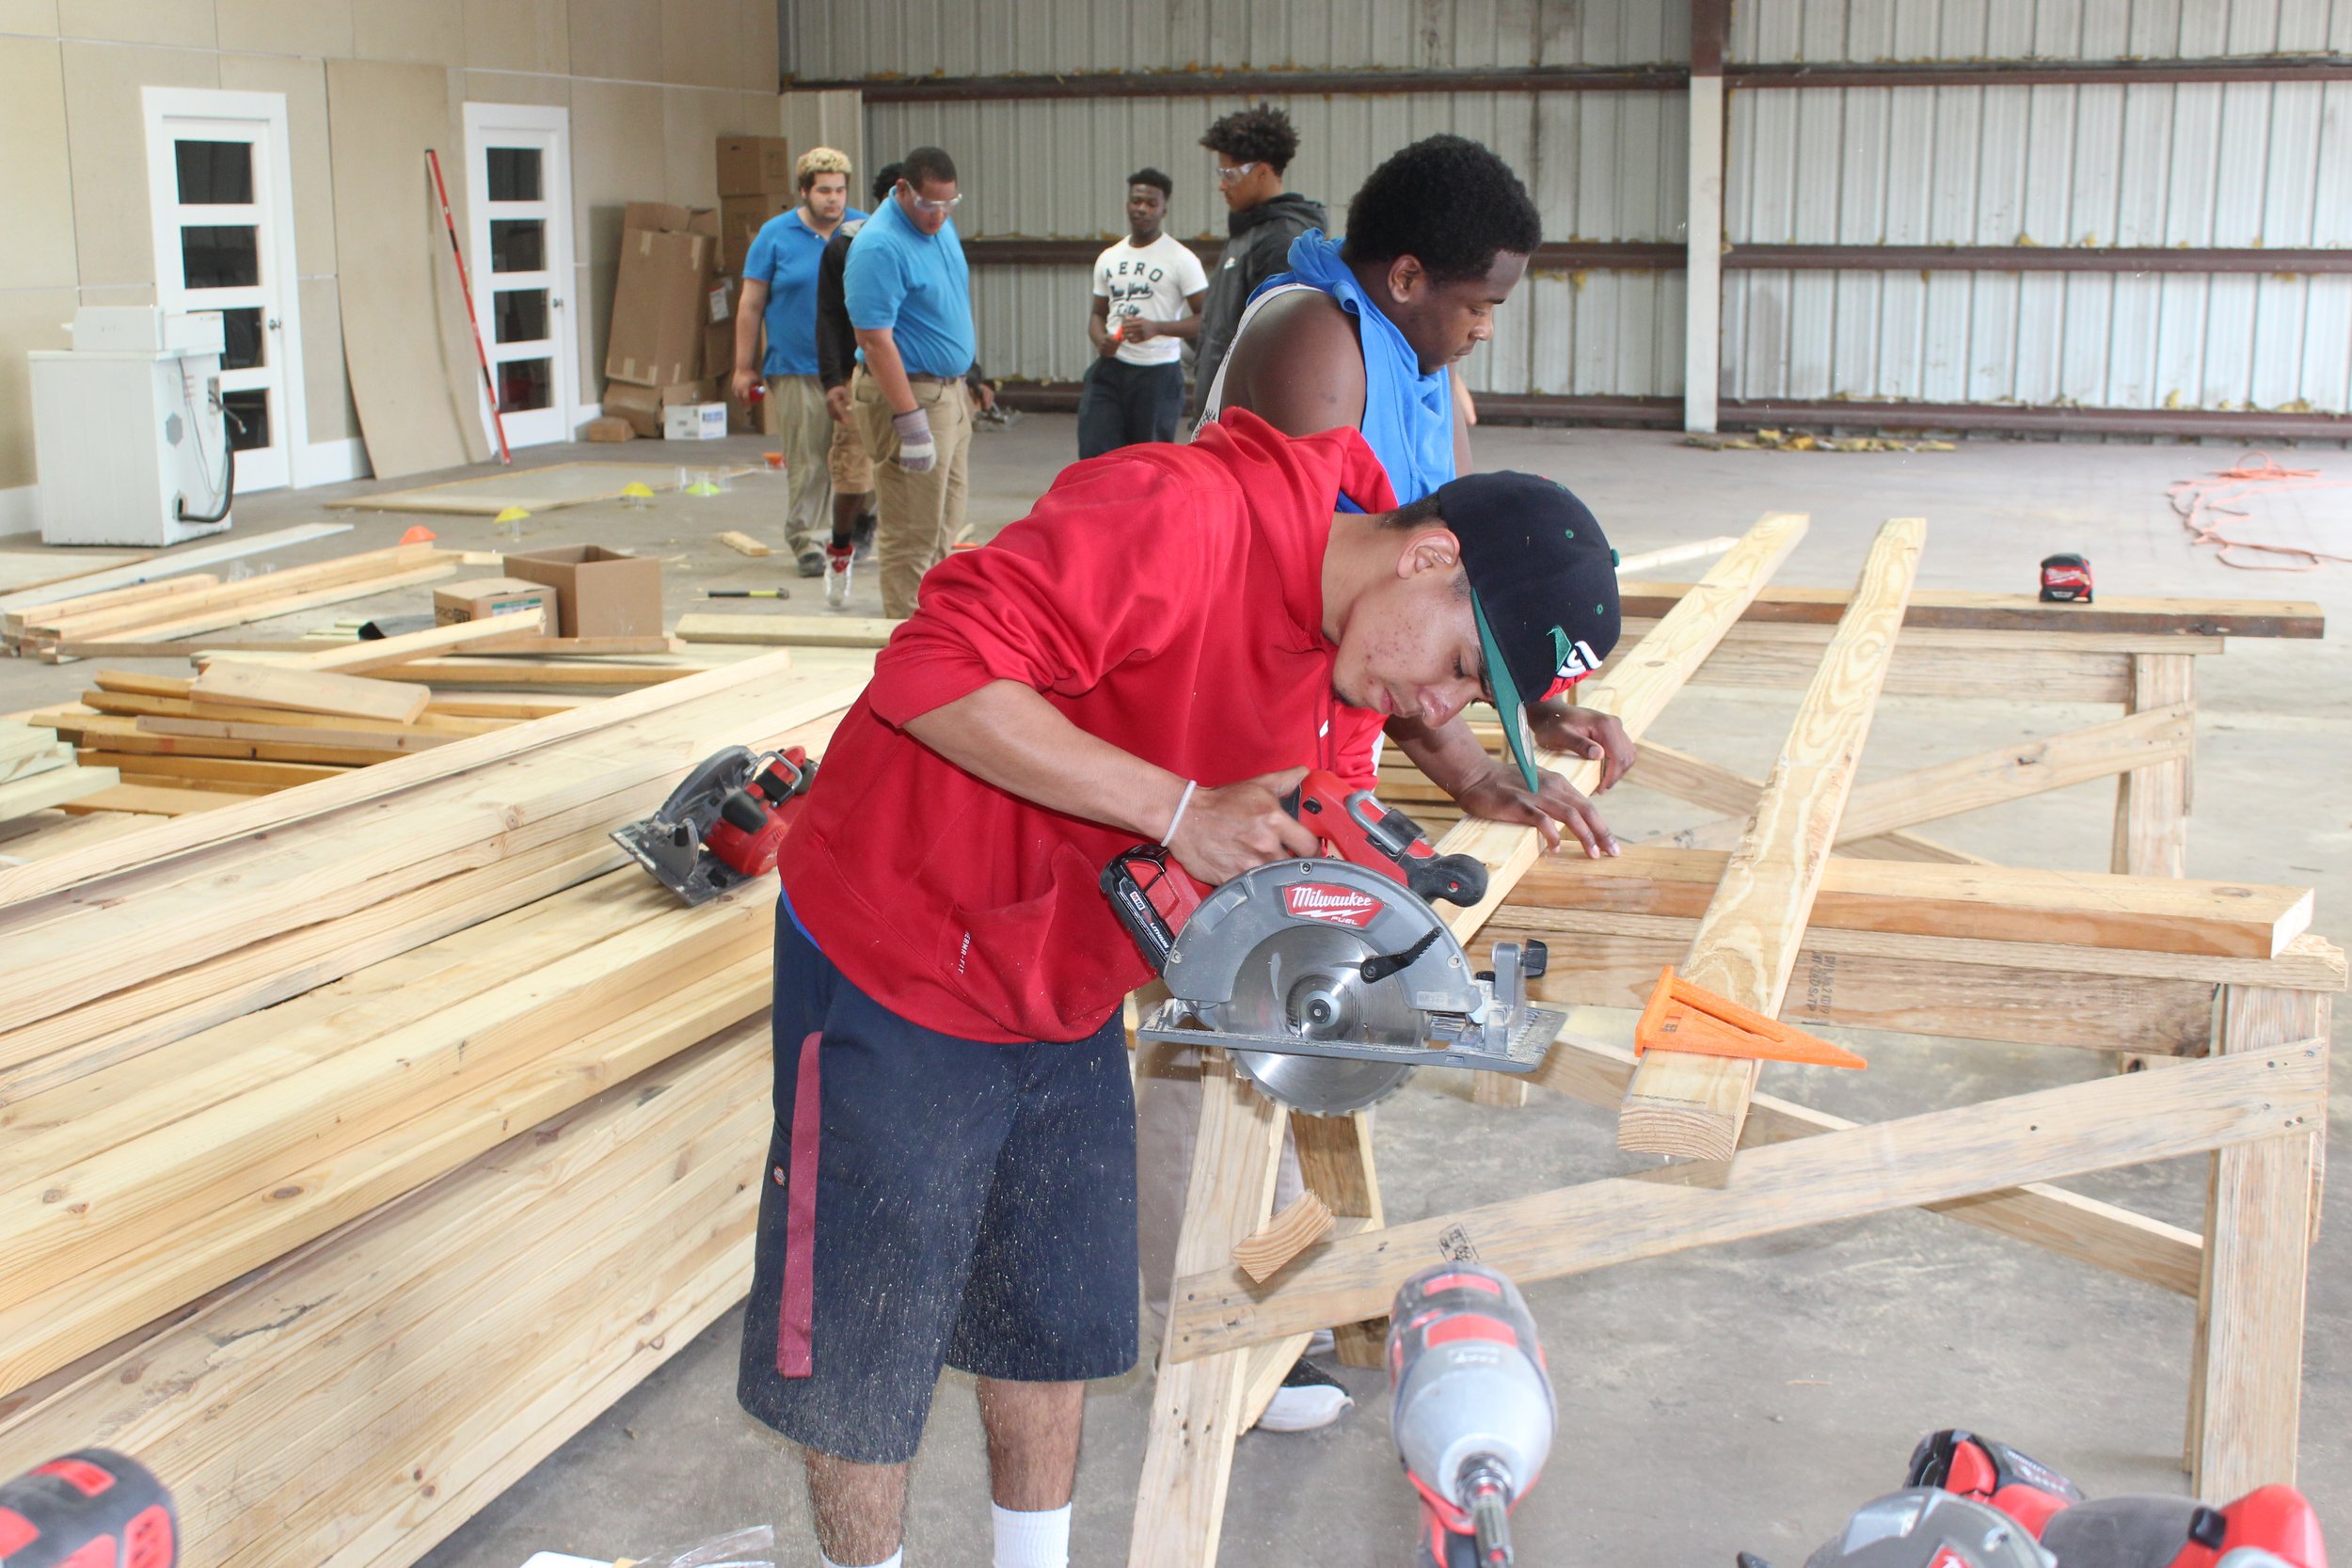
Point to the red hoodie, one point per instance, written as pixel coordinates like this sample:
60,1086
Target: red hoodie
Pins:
1167,599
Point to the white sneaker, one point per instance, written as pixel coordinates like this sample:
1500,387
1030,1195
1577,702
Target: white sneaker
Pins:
838,560
1322,1343
1309,1397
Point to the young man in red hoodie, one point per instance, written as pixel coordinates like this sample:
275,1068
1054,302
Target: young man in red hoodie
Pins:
1157,652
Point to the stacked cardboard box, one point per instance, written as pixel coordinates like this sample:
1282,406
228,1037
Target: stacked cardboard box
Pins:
668,287
756,184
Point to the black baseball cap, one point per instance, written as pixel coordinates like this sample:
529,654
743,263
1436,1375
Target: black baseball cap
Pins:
1543,587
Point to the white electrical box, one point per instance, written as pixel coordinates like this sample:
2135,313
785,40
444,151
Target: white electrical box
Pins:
128,431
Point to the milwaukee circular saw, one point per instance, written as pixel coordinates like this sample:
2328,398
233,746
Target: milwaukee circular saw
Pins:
1331,979
724,823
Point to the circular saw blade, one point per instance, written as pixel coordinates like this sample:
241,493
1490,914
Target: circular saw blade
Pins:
1307,981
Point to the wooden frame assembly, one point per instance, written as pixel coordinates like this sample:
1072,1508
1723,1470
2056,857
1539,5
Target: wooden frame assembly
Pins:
2132,961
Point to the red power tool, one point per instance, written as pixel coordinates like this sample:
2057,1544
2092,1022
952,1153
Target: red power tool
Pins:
1154,899
722,825
1971,1502
94,1508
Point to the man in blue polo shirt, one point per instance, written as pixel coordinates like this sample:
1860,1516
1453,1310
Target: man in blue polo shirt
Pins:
780,292
910,301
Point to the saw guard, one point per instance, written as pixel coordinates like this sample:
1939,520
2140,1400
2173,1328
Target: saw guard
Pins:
1232,919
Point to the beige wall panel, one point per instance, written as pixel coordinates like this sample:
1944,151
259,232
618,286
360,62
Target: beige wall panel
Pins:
106,127
39,252
617,159
29,319
616,40
700,41
429,32
326,382
513,86
835,119
29,16
120,294
320,28
303,84
519,35
185,23
692,120
759,64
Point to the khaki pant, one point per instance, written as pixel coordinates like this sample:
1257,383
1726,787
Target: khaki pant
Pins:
800,424
921,515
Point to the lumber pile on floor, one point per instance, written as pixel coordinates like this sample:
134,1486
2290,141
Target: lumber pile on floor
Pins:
370,987
38,771
163,608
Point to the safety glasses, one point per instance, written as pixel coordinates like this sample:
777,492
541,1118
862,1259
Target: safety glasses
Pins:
923,206
1235,175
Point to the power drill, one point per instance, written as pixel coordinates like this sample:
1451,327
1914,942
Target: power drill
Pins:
94,1508
1471,1411
1969,1501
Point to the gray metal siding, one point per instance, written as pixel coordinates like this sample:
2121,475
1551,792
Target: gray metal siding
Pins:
920,38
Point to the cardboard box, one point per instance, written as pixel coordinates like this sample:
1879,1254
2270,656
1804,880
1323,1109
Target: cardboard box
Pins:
694,421
611,427
600,593
665,218
640,407
658,303
740,218
754,165
483,597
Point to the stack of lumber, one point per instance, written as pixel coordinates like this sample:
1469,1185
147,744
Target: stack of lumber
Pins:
129,620
38,771
358,1006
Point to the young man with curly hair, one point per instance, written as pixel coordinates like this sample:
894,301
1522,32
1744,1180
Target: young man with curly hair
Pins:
1148,290
1253,147
780,293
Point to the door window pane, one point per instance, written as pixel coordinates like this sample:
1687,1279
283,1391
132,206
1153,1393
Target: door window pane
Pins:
214,173
521,315
526,384
245,348
514,173
220,256
518,245
252,413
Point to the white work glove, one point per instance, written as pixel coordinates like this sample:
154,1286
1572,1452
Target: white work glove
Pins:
918,451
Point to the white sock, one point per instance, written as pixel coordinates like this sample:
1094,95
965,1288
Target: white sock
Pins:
1039,1540
890,1561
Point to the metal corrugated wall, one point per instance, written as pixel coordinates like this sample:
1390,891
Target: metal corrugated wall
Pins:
986,37
2187,164
1601,165
2193,164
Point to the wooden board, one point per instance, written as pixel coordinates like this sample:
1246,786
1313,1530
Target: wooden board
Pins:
359,657
2047,1135
493,671
22,569
743,544
311,691
1701,783
186,558
1303,1222
2155,914
151,799
57,789
2012,772
1685,1104
539,489
1969,611
806,631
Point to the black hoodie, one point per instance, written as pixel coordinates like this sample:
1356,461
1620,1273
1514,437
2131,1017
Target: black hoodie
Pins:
1258,248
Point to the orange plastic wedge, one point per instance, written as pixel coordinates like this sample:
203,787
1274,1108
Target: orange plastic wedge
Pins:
1680,1016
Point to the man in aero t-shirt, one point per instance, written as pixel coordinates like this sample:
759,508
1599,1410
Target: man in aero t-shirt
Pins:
1148,291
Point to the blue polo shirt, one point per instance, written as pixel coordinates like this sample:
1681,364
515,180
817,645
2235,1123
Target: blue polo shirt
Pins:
784,256
917,285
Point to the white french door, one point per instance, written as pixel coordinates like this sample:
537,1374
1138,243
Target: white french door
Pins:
220,193
519,220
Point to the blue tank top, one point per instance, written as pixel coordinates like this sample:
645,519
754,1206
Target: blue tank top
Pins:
1408,417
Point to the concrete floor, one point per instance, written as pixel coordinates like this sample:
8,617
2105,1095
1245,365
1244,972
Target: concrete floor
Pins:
1746,1397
